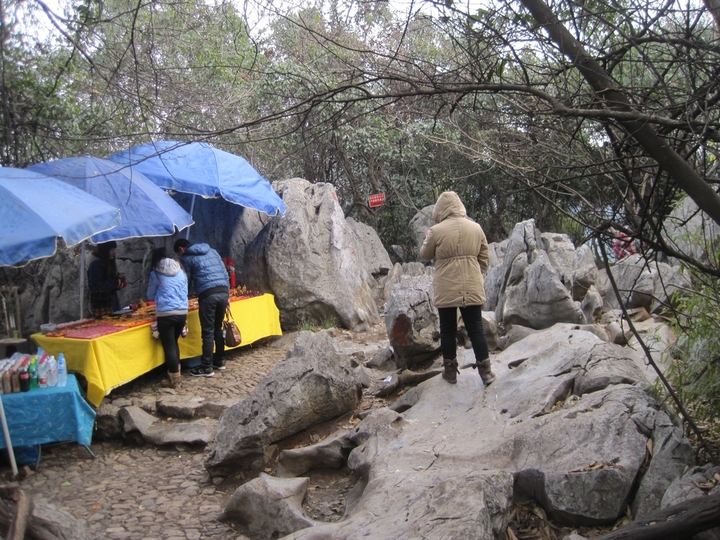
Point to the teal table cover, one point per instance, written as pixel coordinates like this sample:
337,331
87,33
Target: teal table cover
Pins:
47,415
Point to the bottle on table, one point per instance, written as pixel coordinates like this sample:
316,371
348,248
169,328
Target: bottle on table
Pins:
61,370
42,372
24,376
52,378
6,382
32,370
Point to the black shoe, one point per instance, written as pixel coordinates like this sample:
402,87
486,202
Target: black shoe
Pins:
202,371
219,365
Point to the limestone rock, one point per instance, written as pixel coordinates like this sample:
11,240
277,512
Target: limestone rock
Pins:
535,296
269,507
419,224
165,433
310,261
671,454
315,383
412,322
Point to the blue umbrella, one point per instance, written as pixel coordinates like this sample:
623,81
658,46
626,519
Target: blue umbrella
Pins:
201,169
145,209
37,209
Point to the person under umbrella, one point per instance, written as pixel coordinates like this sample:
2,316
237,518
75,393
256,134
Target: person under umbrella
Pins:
104,281
168,288
206,271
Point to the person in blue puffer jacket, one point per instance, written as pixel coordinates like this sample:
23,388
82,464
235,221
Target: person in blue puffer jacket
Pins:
208,275
168,287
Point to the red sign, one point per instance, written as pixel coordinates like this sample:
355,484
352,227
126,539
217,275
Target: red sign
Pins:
378,199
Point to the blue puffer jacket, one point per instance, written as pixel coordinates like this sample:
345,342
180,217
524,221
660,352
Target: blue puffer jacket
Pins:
168,287
205,268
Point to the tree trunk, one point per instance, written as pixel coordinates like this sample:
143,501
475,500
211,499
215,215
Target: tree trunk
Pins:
713,6
679,170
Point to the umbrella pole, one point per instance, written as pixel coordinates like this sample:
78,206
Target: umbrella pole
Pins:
192,206
8,442
82,278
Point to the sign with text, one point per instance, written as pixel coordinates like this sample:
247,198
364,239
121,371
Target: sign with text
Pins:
375,200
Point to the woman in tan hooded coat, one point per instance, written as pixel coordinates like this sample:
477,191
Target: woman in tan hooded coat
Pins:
461,255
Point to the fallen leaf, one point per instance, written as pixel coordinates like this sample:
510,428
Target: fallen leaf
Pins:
66,484
96,507
705,485
539,512
649,446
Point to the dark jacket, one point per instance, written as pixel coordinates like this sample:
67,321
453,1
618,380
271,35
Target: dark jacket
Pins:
205,268
104,298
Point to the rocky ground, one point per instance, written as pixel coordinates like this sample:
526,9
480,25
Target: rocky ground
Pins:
132,491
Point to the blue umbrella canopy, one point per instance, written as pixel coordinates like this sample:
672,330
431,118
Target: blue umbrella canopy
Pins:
201,169
145,209
37,209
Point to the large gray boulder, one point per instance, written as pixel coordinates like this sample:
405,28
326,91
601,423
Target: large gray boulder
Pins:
561,254
419,224
643,284
314,384
463,450
526,287
691,232
310,261
269,506
535,296
372,252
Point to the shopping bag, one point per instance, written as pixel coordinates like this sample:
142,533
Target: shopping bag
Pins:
233,337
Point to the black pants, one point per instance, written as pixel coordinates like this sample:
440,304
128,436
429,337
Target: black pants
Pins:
212,313
472,316
170,327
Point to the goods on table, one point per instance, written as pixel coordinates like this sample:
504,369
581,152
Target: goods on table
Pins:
144,314
24,372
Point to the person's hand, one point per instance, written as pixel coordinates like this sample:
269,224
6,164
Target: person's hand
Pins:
428,233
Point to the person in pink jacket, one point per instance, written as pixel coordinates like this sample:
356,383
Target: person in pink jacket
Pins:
461,255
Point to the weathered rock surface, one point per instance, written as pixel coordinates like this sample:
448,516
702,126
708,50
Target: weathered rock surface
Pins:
315,383
531,286
269,506
161,433
569,426
643,284
412,321
311,262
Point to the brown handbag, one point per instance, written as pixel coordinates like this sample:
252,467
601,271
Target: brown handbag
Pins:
233,338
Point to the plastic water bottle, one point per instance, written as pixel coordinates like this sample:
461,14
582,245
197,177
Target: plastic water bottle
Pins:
52,372
61,370
32,370
42,372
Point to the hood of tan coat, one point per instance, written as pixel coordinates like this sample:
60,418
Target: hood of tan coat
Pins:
448,205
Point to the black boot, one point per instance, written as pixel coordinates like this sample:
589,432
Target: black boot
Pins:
451,370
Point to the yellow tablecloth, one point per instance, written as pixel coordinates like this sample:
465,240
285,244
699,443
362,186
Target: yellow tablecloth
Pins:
110,361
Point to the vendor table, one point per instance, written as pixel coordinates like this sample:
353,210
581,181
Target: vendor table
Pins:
48,415
112,360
